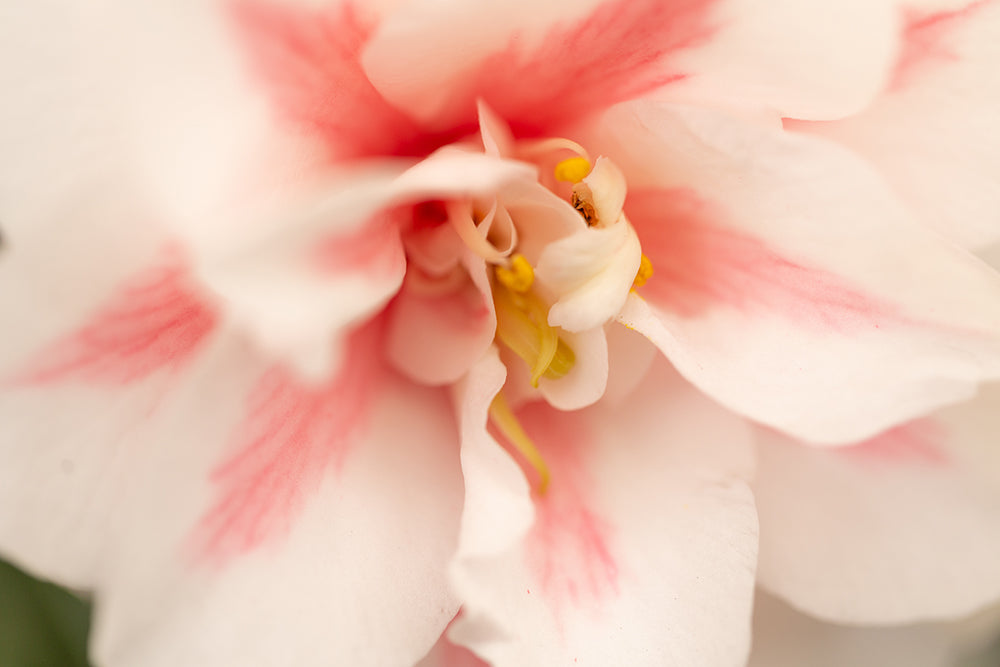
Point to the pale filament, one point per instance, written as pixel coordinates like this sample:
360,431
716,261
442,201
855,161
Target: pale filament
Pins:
476,235
534,149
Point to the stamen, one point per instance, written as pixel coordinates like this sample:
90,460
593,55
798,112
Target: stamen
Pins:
505,420
644,273
572,170
519,277
522,325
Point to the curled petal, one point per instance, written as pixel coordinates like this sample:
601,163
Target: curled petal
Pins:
590,273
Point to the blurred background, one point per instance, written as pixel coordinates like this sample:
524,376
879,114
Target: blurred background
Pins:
41,625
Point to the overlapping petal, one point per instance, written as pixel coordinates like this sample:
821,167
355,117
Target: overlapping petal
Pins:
333,256
213,534
899,528
932,132
651,485
541,66
791,284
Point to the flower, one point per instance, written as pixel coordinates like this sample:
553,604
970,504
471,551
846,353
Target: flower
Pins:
321,322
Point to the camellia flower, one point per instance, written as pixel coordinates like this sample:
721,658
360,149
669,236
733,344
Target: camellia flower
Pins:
324,323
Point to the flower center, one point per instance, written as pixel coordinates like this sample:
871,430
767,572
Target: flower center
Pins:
538,290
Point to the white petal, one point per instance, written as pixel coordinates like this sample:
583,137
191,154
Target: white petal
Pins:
903,527
586,381
642,551
590,273
607,185
497,510
630,357
225,529
789,57
790,284
933,132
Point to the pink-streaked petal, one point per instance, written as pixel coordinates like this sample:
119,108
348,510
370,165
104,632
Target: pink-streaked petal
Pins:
155,320
331,255
642,550
140,493
776,57
784,637
700,264
791,285
293,434
309,61
934,6
98,321
899,528
536,66
932,133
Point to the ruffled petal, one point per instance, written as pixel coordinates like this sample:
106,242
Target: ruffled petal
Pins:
790,284
902,527
332,256
932,133
537,66
641,551
241,499
540,67
791,57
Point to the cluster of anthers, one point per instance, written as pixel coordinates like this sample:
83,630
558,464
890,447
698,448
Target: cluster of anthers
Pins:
524,326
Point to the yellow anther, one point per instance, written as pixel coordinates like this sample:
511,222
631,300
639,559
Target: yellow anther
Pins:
572,170
519,277
505,420
644,273
522,326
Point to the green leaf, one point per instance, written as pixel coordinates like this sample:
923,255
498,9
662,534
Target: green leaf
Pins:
41,625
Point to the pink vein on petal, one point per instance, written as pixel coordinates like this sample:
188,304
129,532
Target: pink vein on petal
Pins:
308,61
917,442
699,264
155,320
292,434
925,40
569,548
614,54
